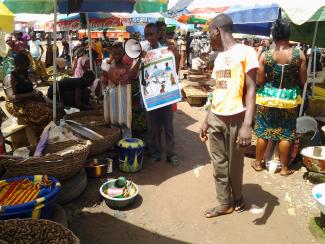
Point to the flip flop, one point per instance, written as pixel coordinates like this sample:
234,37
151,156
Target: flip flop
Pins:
218,211
289,172
255,167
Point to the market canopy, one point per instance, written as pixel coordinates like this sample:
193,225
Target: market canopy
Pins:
86,6
304,18
195,7
257,19
254,19
30,6
6,19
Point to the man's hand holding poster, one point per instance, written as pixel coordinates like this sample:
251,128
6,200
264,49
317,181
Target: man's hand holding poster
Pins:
161,87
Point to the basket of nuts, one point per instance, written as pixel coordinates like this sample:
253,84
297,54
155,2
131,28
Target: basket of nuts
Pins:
35,231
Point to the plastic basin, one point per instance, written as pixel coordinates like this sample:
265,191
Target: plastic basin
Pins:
116,202
39,208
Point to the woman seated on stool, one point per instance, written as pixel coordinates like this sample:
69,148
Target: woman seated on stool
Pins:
25,103
74,92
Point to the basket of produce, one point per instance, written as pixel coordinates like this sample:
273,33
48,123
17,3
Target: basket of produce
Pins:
28,196
316,106
87,118
61,160
35,231
119,193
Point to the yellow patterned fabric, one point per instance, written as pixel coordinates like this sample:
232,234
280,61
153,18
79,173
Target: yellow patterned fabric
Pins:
274,102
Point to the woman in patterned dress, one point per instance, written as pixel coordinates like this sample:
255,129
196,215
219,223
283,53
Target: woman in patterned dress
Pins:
281,74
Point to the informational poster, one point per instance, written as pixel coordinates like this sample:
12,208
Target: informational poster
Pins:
160,86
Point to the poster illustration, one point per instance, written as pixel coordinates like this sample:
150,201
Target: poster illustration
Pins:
161,87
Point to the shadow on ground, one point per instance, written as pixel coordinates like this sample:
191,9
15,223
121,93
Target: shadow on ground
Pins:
101,228
190,151
255,195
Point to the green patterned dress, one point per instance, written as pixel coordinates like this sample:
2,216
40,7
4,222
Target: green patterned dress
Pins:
277,110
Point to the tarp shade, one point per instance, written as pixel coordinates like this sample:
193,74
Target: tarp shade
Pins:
253,13
151,6
253,29
304,11
304,33
253,19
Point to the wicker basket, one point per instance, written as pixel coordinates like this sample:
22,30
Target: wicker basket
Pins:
111,137
35,231
316,106
88,118
60,167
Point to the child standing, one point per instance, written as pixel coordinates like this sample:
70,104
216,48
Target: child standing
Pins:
117,82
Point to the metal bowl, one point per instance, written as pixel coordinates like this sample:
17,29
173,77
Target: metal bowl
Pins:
312,162
96,170
117,202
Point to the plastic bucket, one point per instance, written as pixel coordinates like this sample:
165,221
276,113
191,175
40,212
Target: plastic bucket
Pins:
130,152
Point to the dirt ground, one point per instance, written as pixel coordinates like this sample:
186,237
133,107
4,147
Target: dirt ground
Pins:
170,206
171,203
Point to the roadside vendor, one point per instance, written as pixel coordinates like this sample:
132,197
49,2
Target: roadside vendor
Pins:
74,92
25,102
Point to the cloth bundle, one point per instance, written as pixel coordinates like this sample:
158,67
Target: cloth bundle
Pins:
118,106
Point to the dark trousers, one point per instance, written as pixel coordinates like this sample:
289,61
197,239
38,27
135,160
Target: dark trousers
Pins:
158,119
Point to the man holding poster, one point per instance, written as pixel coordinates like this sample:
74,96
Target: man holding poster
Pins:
159,89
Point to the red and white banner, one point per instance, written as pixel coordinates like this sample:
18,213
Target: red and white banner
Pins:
93,23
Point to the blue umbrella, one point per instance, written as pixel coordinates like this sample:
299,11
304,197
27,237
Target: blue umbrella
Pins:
254,19
65,17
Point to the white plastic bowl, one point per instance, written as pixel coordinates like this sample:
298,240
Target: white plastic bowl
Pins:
314,163
319,196
117,202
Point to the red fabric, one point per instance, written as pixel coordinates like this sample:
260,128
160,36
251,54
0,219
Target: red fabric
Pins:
174,107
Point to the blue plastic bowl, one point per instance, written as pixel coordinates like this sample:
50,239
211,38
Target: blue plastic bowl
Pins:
40,208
